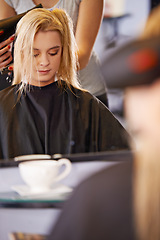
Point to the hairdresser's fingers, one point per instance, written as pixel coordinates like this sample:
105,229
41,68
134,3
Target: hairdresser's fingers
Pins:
5,59
7,41
4,50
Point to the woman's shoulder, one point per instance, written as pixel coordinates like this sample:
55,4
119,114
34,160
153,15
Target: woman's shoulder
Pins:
7,101
7,92
82,92
86,100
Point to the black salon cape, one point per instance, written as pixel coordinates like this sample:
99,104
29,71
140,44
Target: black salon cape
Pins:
49,120
101,208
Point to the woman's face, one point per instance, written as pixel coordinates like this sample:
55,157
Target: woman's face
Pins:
47,49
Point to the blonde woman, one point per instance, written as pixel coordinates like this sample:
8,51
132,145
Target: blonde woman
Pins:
46,110
86,16
144,119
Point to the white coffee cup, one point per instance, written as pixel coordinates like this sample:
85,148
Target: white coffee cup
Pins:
40,175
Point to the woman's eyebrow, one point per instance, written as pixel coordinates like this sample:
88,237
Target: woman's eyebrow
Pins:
55,47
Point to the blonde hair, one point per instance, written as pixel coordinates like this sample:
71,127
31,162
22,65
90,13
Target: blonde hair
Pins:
147,167
152,26
45,20
147,192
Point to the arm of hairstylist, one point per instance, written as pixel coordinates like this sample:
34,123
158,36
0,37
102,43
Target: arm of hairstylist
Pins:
89,21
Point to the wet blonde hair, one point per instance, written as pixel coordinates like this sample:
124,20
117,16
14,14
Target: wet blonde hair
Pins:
147,192
152,26
147,167
44,20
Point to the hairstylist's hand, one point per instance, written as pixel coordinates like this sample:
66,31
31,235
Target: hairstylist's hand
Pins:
142,109
5,51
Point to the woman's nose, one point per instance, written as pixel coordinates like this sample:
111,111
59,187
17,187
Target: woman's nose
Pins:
44,60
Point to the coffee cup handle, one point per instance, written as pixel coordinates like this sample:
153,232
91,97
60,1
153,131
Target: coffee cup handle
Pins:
66,171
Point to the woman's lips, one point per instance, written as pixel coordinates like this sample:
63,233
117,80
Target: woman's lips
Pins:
43,71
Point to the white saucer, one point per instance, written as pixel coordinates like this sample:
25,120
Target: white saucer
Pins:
55,192
32,157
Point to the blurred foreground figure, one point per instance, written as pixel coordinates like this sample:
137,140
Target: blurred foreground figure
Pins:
123,201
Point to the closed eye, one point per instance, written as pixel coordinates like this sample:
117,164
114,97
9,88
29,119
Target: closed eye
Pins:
53,54
36,55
